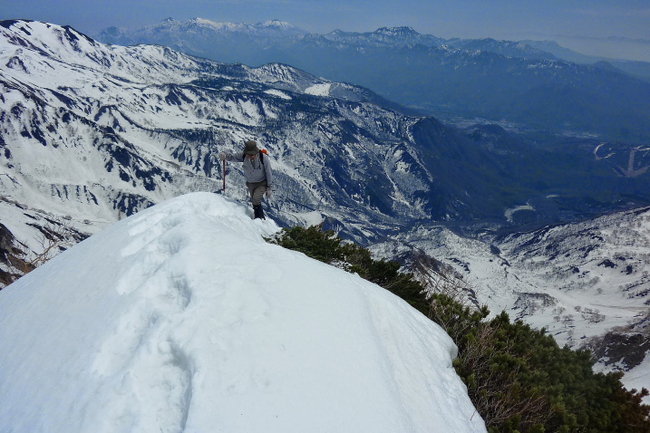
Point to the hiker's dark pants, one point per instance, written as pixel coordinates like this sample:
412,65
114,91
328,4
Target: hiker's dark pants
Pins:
257,190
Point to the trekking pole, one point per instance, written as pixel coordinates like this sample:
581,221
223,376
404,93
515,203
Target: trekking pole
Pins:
224,176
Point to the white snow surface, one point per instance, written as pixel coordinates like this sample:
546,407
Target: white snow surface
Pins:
182,318
321,89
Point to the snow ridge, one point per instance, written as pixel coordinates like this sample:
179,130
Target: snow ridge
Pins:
182,318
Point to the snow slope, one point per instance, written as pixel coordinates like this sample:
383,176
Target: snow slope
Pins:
182,318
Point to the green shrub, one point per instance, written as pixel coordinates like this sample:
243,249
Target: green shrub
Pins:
312,241
329,248
518,378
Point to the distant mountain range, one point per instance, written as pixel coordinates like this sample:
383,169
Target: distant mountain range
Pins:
369,166
91,132
518,82
635,68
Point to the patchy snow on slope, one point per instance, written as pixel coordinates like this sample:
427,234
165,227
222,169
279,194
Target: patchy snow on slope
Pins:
278,93
321,89
182,318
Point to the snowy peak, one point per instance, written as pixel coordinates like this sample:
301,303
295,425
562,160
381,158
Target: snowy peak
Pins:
182,318
403,33
385,37
269,25
280,25
397,31
52,40
170,30
30,41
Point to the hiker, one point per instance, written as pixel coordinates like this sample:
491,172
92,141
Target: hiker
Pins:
257,171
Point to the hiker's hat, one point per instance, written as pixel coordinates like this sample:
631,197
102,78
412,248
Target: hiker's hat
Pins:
251,148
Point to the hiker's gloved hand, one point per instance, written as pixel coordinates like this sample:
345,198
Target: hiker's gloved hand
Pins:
268,192
222,156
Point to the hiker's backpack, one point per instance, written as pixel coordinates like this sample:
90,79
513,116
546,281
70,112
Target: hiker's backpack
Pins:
263,151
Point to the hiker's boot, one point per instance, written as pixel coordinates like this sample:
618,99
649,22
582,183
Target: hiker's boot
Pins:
257,210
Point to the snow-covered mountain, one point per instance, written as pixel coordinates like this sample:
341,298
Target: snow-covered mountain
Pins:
587,284
90,133
452,78
171,32
182,318
198,36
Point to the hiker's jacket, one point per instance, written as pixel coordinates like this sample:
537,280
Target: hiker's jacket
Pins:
256,170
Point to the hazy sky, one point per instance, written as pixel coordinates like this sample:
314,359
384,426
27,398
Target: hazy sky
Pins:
500,19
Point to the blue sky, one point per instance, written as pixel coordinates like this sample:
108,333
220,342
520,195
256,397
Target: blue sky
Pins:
501,19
